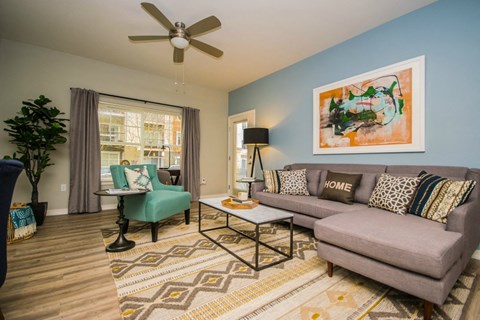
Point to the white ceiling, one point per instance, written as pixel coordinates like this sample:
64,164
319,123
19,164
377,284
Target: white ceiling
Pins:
258,37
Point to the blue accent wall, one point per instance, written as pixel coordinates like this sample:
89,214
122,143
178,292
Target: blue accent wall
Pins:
446,32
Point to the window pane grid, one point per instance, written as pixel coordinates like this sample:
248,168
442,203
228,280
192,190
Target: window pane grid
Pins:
137,135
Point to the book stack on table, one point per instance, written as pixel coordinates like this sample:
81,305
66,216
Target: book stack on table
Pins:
237,200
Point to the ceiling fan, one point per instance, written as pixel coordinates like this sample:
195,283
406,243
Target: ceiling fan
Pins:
181,37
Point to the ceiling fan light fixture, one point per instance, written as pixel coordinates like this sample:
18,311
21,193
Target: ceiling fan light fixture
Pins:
179,42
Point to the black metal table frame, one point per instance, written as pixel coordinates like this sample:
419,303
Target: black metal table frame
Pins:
288,256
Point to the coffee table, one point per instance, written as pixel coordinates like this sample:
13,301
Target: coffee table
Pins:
257,216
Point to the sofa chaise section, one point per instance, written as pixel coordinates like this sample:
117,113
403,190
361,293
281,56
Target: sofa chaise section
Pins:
410,253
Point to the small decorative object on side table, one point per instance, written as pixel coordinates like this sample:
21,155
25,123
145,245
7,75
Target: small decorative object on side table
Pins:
121,244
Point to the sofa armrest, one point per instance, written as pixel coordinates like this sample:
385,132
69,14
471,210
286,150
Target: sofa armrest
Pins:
257,187
465,219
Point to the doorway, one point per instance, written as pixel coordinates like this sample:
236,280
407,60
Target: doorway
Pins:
239,156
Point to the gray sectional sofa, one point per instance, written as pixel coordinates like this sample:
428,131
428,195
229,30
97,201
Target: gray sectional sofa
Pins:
410,253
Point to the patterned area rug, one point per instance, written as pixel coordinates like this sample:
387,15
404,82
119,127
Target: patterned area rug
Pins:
185,276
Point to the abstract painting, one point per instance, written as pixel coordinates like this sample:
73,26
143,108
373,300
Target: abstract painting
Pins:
378,111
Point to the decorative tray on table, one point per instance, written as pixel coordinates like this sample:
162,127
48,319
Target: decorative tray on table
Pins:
245,204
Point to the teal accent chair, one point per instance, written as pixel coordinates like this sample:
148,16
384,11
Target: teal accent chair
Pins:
163,202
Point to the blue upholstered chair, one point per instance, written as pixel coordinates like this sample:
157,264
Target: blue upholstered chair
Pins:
9,171
163,202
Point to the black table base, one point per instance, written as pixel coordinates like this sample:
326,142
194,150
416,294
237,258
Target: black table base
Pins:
121,243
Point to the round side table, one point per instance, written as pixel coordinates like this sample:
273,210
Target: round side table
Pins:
121,244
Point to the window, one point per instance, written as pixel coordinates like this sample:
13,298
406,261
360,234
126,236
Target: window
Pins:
137,135
178,138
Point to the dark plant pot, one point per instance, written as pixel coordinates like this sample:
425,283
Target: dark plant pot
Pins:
39,211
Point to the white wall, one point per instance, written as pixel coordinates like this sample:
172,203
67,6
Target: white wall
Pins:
27,71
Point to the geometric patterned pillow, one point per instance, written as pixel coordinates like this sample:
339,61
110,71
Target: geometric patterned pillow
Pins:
272,181
138,178
436,197
394,193
294,182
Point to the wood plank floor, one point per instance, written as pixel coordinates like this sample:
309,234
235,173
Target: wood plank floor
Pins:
63,272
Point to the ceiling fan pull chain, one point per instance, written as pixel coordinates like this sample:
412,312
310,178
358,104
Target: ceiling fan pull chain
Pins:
183,78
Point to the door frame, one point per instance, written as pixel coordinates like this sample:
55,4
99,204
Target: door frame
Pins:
231,119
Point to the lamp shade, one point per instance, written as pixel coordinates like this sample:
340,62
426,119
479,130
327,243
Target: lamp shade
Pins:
258,136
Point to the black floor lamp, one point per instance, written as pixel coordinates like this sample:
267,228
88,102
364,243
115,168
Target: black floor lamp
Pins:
256,137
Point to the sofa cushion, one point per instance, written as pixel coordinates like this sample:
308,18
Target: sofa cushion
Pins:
293,182
436,197
365,188
444,171
340,186
408,242
307,205
313,181
394,193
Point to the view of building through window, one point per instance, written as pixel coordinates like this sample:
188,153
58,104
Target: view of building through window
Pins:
137,135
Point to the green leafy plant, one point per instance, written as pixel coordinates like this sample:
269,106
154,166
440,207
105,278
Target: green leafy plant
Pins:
36,130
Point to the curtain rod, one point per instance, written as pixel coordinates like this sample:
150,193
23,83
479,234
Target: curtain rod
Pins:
139,100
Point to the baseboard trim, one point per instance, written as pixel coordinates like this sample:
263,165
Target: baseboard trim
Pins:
110,206
213,196
64,211
57,212
476,254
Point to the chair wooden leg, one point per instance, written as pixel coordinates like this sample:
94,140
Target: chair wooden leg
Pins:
427,310
329,269
154,229
187,216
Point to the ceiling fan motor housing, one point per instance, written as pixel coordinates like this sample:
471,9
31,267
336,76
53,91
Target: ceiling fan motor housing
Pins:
179,32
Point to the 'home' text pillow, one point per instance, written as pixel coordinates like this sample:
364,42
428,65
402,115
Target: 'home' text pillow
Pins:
340,187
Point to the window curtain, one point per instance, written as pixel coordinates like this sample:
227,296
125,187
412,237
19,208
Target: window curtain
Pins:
191,151
84,152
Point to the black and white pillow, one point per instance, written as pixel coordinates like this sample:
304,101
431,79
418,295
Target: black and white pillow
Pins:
437,197
294,182
138,178
394,193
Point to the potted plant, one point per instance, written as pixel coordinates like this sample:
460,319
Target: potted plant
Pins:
36,130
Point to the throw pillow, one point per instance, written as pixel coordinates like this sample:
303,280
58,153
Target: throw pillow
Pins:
272,181
294,182
138,178
340,187
436,196
393,193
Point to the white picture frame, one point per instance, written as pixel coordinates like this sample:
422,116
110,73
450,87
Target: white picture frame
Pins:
380,111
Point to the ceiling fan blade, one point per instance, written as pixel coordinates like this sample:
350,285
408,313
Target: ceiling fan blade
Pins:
206,48
157,14
177,55
204,25
144,38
